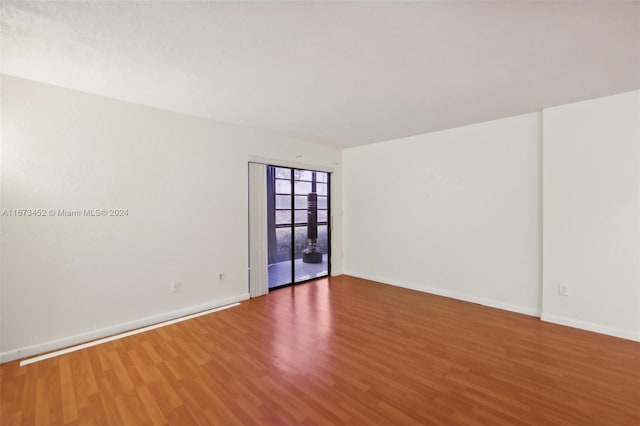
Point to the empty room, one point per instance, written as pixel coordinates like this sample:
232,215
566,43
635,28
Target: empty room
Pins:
319,213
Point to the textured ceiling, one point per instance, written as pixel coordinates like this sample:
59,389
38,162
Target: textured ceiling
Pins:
337,73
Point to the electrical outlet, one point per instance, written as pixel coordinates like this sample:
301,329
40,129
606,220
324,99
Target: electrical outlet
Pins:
175,286
220,277
563,290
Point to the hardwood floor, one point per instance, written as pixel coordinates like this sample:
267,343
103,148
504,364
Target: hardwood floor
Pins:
337,351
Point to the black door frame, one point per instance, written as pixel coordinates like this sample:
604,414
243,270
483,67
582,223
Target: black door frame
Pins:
271,238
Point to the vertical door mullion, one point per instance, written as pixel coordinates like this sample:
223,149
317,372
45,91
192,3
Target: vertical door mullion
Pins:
293,228
329,230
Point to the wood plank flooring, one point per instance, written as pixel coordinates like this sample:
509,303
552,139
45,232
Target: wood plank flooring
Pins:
337,351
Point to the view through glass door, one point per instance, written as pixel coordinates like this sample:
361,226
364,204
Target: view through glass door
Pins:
298,225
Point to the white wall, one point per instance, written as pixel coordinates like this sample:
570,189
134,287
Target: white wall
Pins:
592,214
455,212
184,183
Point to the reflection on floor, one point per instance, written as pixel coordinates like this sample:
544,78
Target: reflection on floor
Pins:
280,273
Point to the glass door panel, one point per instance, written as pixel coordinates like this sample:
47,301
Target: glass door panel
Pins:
311,254
298,225
279,232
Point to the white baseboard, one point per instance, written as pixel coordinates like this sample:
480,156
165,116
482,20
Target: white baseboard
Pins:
590,326
451,294
53,345
556,319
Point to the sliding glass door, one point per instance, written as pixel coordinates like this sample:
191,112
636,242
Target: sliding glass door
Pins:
298,225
